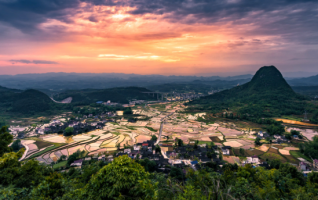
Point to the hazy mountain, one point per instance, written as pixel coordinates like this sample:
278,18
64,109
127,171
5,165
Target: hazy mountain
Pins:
311,91
309,81
71,81
120,95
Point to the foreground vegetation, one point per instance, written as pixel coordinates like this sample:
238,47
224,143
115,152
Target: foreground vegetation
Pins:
125,178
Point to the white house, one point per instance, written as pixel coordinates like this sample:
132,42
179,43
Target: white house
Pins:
252,159
127,150
303,166
137,148
103,158
226,150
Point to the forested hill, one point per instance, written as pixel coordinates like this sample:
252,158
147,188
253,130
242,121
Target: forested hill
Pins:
24,102
31,100
267,94
120,95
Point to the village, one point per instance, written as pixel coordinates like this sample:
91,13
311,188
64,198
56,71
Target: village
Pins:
161,133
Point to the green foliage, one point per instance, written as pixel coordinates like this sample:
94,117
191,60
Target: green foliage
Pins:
16,145
62,158
266,95
288,136
76,155
242,151
221,156
310,148
119,178
157,149
128,111
125,178
151,129
53,187
313,177
68,131
314,118
154,138
5,139
275,129
177,173
294,132
258,141
149,165
12,172
29,102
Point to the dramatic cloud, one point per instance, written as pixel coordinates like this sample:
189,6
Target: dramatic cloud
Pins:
45,62
154,36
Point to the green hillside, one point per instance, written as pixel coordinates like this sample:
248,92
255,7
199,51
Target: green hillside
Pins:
266,95
31,101
24,102
120,95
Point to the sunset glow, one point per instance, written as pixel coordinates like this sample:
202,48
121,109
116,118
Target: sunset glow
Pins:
161,37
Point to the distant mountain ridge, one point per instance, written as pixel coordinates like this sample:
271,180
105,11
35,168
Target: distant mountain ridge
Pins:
309,81
119,95
73,81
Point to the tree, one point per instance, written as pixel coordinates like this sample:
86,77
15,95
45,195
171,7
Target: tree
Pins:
68,131
154,138
180,142
16,145
128,111
177,173
221,156
149,165
310,148
196,144
275,129
5,139
158,149
258,141
210,154
294,132
212,144
274,164
288,136
313,177
121,178
63,157
53,187
242,151
12,172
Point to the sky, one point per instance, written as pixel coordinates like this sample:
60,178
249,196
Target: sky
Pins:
168,37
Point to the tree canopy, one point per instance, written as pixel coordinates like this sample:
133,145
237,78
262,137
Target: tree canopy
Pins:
5,139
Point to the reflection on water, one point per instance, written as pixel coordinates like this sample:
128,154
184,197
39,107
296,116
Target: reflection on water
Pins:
308,133
68,139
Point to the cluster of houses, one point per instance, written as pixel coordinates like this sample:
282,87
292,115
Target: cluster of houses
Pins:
130,104
176,157
79,127
103,115
17,131
307,167
185,155
276,138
